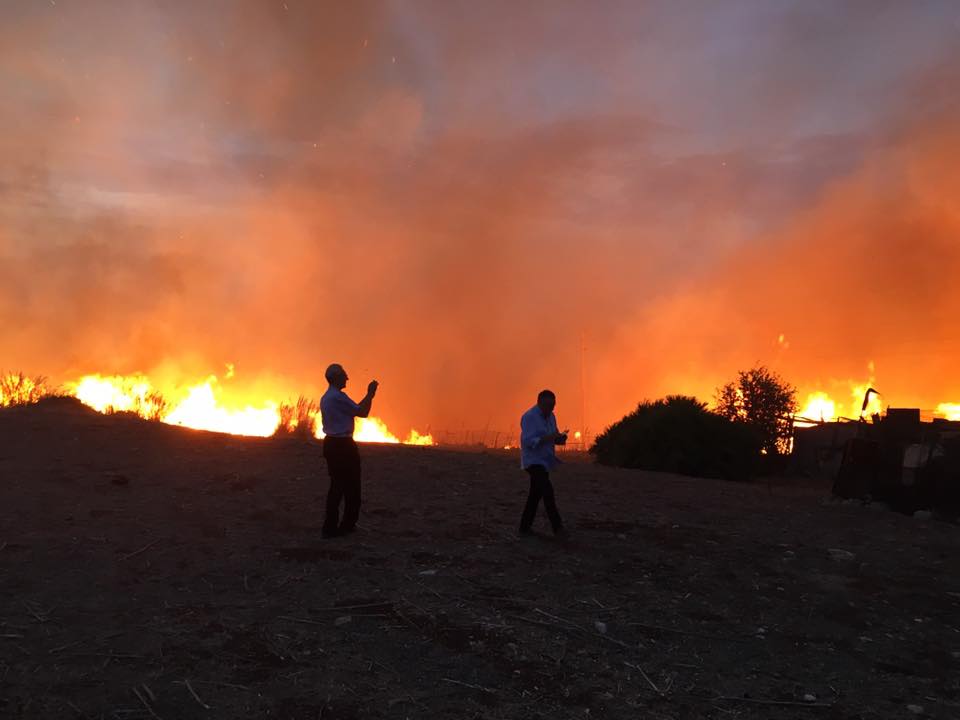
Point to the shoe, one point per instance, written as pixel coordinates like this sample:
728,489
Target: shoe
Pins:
526,532
327,534
346,530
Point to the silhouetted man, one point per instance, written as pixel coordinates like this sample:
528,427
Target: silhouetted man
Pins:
337,413
538,438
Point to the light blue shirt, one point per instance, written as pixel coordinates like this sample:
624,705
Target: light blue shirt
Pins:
337,412
534,449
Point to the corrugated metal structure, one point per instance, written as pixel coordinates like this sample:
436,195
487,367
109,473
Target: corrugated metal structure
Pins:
898,459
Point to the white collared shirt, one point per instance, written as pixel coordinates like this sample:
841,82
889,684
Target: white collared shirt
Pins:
534,450
337,413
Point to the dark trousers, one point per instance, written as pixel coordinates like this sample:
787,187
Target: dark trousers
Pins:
540,487
343,464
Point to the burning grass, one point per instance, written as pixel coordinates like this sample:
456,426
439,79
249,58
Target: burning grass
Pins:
121,394
18,388
207,405
298,419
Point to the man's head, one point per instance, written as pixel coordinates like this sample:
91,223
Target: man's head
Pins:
337,376
546,401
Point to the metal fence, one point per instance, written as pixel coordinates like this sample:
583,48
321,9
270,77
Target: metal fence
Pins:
500,439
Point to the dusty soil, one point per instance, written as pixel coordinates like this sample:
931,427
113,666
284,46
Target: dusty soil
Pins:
152,572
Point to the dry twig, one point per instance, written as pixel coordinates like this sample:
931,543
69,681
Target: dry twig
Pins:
301,620
146,704
416,607
224,684
691,633
472,687
195,696
365,606
61,648
425,587
646,677
115,656
578,628
143,549
42,619
762,701
78,711
530,621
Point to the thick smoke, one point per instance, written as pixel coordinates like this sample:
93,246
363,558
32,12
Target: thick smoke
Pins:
457,197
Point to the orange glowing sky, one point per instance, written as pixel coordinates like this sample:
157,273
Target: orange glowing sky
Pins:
466,199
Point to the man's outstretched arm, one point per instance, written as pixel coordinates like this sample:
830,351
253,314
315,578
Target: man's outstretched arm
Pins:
363,407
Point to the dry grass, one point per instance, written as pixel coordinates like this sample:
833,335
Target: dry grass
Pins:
152,406
298,419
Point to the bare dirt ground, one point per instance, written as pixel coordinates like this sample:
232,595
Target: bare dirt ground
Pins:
153,572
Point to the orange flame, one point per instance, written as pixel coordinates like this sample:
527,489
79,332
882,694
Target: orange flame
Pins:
951,411
132,393
372,429
200,410
821,407
203,407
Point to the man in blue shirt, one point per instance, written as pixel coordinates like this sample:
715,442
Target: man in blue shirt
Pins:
337,413
538,438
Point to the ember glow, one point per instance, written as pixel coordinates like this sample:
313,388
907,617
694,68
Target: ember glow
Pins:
206,406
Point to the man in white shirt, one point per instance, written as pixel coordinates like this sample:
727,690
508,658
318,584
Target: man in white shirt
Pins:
337,413
538,438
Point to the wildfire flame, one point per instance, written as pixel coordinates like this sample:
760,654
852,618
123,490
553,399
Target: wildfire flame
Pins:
20,389
201,411
821,407
133,393
202,407
371,429
951,411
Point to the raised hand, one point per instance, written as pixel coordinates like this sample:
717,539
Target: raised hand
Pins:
372,387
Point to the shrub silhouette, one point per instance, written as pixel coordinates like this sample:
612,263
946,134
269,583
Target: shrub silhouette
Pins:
765,402
679,434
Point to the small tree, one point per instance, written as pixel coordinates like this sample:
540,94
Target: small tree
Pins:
763,401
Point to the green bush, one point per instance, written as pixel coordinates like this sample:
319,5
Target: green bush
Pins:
679,434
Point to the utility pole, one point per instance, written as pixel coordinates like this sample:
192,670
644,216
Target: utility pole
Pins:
583,393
